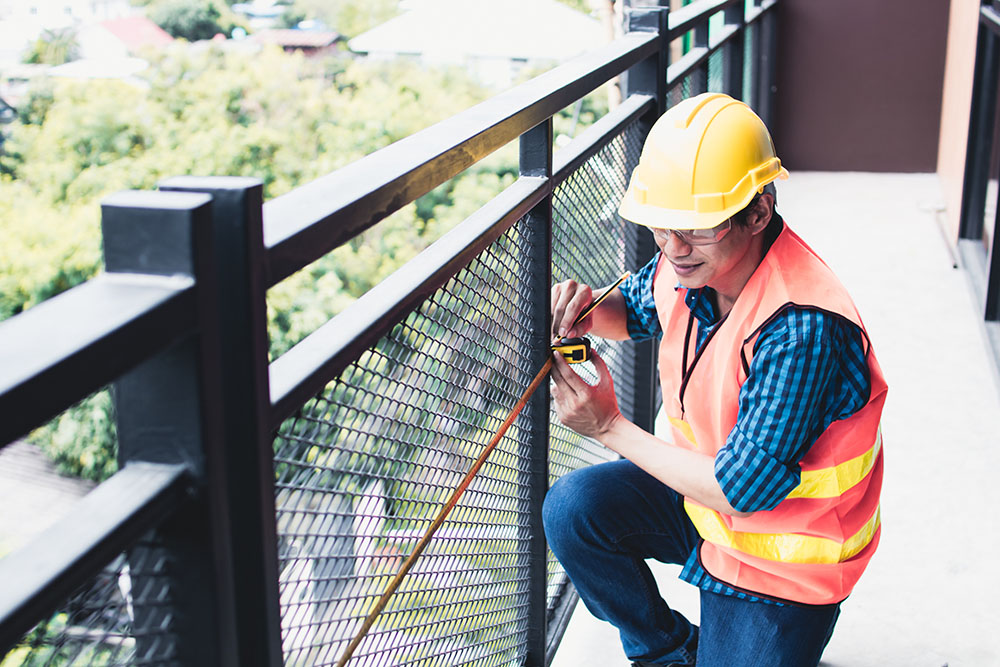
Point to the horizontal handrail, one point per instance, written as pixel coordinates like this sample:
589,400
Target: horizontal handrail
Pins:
690,61
589,142
687,18
77,342
305,224
37,577
308,366
989,17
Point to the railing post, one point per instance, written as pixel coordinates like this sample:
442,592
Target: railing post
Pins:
168,412
244,475
536,160
647,78
981,128
699,78
766,83
732,73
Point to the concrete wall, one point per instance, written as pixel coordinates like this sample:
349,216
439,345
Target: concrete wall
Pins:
859,84
956,103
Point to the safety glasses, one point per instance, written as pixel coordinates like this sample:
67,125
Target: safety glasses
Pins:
696,236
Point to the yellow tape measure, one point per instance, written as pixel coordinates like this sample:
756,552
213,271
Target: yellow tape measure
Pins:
577,350
573,350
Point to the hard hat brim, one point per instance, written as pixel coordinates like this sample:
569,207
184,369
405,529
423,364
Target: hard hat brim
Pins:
657,217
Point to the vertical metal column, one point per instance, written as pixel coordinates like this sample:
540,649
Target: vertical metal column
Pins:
243,473
992,308
168,411
755,32
699,77
536,160
981,129
732,69
646,78
767,66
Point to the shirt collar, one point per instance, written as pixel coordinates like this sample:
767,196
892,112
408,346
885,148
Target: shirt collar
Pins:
700,303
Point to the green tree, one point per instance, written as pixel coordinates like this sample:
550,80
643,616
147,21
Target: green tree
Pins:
54,47
190,19
347,17
274,116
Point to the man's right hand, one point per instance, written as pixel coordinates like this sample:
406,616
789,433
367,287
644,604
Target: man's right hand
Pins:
569,299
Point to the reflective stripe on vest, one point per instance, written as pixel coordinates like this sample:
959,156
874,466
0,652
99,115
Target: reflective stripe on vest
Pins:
834,481
784,547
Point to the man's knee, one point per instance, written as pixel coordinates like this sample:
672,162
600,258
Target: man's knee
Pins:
573,506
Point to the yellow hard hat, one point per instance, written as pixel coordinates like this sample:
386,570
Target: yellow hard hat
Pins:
702,162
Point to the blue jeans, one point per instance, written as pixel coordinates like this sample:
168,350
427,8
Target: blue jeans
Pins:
602,522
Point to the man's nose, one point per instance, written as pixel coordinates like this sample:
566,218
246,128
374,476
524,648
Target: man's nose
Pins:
675,246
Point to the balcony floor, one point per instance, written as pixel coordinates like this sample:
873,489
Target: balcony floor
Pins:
929,596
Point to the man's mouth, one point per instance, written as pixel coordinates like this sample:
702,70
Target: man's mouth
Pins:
685,269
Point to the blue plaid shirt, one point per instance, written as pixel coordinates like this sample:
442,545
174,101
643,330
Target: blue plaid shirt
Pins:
808,370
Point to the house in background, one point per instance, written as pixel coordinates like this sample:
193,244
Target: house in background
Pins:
495,41
120,37
308,42
22,21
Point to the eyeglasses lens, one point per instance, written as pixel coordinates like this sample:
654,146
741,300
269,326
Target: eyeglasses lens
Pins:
696,236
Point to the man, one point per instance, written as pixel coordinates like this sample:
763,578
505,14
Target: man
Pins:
768,490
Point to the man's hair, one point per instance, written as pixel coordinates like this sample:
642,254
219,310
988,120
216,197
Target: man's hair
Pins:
741,217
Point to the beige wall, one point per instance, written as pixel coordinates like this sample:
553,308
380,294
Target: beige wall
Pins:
960,60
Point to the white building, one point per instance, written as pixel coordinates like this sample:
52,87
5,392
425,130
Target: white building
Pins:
22,21
495,40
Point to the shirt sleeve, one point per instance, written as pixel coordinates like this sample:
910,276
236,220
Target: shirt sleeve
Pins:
640,309
808,370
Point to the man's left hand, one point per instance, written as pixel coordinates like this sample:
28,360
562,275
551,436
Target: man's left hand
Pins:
589,409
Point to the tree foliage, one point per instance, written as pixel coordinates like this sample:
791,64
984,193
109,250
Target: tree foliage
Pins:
347,17
192,20
270,115
53,47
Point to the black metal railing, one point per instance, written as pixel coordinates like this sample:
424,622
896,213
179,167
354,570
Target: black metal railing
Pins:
978,244
261,507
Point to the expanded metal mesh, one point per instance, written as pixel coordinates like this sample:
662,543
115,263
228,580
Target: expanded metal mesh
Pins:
363,468
120,617
715,71
589,246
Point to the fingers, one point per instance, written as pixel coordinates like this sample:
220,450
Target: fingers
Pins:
569,298
566,378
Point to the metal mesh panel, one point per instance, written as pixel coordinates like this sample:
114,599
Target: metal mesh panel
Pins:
680,92
588,245
363,468
715,71
120,617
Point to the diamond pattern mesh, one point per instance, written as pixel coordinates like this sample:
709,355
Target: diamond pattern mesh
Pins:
120,617
715,71
588,245
363,467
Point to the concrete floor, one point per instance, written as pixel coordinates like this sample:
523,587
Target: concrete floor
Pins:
929,596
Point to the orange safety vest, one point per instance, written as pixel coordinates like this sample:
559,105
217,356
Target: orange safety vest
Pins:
814,545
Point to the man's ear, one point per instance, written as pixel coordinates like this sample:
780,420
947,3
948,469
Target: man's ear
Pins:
760,214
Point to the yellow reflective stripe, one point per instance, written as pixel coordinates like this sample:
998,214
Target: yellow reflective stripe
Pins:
781,547
684,428
834,481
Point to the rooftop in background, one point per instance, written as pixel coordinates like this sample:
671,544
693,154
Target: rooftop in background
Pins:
457,31
288,38
100,68
137,32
